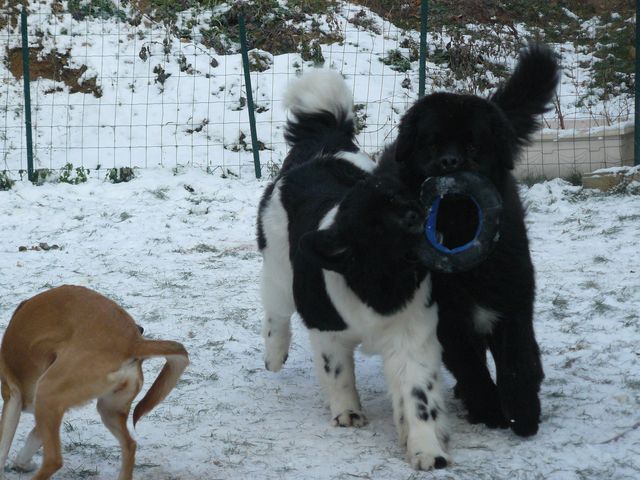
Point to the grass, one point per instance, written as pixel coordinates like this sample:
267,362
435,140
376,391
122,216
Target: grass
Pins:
119,175
471,40
533,179
629,218
397,61
6,182
477,32
73,176
160,193
590,285
599,306
362,20
102,9
574,178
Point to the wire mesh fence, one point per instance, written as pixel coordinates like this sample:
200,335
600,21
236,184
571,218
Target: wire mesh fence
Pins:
160,82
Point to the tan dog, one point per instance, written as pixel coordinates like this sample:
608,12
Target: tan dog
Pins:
65,347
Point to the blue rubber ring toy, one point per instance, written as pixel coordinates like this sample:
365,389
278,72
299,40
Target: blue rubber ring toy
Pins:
488,203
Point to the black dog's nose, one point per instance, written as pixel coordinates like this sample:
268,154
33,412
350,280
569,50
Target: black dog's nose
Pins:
450,163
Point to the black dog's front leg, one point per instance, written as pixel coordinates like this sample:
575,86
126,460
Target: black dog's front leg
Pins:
518,371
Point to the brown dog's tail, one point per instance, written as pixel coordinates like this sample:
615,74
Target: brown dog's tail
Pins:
177,361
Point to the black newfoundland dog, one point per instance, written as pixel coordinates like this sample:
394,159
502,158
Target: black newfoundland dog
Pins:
490,306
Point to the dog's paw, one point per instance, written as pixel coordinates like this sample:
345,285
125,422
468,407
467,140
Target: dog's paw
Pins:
274,362
24,466
276,352
522,409
422,460
525,426
350,418
491,417
276,347
426,449
484,407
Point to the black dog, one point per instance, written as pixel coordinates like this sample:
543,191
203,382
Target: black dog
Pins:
492,304
340,243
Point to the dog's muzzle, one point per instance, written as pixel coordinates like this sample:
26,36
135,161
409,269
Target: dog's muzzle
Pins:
488,203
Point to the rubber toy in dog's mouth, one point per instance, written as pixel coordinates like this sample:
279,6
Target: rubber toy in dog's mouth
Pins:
477,191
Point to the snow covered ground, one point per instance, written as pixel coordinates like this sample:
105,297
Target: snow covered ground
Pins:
177,250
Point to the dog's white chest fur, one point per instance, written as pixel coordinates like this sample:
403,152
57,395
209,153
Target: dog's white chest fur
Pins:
374,330
370,327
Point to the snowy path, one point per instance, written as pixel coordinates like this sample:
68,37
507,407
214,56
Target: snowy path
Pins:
185,266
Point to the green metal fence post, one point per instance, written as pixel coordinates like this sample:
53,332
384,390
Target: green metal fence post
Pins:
424,13
27,92
250,106
636,135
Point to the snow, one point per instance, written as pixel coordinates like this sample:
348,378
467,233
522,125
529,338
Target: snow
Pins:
197,115
185,265
176,247
144,122
619,170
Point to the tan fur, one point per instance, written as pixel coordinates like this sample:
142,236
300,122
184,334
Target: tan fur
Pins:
65,347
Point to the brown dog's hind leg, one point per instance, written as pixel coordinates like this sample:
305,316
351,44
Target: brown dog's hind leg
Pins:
11,409
23,460
48,420
70,381
114,410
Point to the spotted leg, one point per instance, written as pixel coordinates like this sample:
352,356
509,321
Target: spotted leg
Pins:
333,358
412,369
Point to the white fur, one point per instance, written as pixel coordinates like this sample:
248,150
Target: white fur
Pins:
408,343
128,372
333,358
276,283
359,159
328,218
319,90
484,320
411,352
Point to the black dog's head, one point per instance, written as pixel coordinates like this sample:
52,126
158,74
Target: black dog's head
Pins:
443,132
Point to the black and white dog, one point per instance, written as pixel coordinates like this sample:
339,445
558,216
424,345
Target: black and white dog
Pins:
340,244
491,305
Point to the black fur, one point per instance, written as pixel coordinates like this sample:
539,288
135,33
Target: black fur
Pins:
262,241
375,237
318,133
367,244
443,133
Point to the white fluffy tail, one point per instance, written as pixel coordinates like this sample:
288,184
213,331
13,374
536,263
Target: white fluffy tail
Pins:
317,91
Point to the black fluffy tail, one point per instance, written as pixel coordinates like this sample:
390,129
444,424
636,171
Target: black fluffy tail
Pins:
321,120
530,90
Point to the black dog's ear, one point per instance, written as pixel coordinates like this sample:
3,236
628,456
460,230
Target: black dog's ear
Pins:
530,90
325,249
